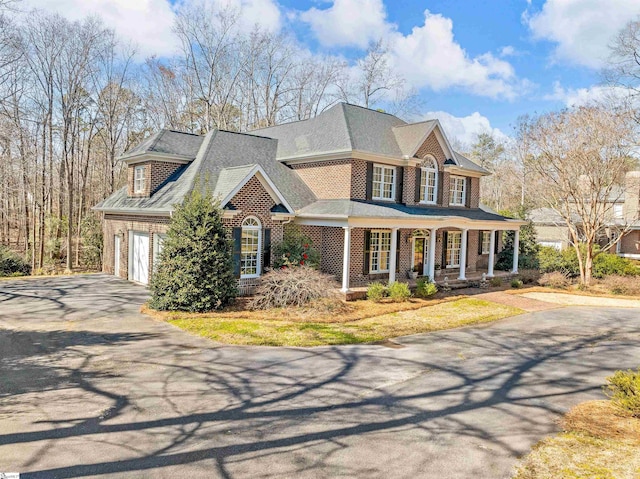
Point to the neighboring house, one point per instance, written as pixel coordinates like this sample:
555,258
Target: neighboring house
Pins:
623,203
378,197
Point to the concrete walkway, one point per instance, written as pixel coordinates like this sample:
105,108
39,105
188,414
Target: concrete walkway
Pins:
568,299
92,388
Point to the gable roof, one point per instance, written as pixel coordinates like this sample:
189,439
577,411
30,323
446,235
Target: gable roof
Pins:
224,160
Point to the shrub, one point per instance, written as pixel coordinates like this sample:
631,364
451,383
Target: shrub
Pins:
529,276
495,282
555,279
516,283
376,292
607,264
565,261
617,284
195,271
12,264
91,252
399,291
296,249
425,288
624,390
292,287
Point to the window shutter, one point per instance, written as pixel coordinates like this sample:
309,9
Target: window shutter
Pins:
369,179
467,192
367,252
266,250
399,183
495,244
398,251
237,247
444,250
418,178
480,241
441,192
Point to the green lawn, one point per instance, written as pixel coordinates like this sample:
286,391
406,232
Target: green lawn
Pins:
269,332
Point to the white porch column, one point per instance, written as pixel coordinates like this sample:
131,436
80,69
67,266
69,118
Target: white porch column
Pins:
516,250
392,259
492,251
463,255
346,260
432,254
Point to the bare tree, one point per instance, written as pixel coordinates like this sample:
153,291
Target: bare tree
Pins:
579,156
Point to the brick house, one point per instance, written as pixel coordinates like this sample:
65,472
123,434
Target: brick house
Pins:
622,207
379,197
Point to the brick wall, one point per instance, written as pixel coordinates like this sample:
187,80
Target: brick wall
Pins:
155,173
358,179
475,192
328,179
630,243
432,146
121,225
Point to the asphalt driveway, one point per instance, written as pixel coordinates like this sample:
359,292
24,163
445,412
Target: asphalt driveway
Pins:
89,387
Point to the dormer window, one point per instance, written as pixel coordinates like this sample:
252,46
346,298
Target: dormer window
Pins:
428,182
384,182
457,193
139,180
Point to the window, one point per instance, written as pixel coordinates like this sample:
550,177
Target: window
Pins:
486,242
617,210
428,182
454,243
250,248
138,182
457,190
380,248
383,187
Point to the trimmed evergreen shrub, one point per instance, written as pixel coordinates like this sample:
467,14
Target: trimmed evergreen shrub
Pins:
195,271
425,288
606,264
399,292
376,292
516,283
624,390
12,264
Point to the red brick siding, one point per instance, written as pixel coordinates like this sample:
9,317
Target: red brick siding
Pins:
160,171
358,179
122,225
630,243
131,178
327,179
431,146
155,173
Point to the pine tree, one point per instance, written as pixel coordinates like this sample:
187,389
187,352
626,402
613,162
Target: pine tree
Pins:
195,270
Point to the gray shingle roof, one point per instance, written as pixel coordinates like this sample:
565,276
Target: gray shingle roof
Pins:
361,209
223,158
169,142
467,164
408,136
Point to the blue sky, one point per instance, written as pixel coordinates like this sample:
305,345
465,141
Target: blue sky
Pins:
477,64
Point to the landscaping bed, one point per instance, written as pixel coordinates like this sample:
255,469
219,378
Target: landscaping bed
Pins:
599,440
342,323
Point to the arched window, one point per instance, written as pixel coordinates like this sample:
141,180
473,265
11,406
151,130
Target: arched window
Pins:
429,180
250,248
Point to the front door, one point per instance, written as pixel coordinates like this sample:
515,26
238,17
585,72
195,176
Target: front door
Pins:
420,245
140,257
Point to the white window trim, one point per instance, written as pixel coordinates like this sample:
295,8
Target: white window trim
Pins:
393,182
257,228
618,210
140,181
452,182
379,271
486,234
425,170
450,234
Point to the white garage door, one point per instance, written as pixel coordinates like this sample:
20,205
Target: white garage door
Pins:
139,257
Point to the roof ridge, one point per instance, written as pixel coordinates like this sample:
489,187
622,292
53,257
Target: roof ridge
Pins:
348,125
181,132
159,135
370,109
249,134
413,124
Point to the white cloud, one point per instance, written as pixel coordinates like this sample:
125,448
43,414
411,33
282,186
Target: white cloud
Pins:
148,23
466,128
584,96
430,57
582,29
348,22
